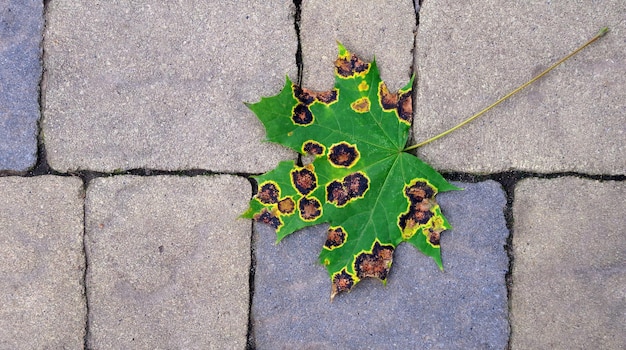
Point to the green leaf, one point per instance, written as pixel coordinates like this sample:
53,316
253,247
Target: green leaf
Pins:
373,194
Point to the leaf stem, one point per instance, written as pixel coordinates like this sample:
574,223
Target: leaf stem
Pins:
600,34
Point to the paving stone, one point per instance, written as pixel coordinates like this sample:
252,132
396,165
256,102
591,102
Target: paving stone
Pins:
470,54
42,305
421,307
21,23
384,29
569,271
162,86
168,262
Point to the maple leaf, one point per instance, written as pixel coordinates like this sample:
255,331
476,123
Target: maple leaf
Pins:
361,181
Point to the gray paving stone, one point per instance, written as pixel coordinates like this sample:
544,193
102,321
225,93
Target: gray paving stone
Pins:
470,54
42,305
133,85
21,23
168,262
464,307
384,29
569,271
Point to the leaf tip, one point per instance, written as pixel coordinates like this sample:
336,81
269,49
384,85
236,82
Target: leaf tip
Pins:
343,52
439,263
247,214
456,188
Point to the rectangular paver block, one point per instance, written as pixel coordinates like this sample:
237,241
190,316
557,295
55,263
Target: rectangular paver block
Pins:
569,272
464,307
42,305
21,24
163,85
469,54
168,262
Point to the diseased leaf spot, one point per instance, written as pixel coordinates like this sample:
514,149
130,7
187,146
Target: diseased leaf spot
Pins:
434,235
268,218
363,86
342,282
347,67
304,180
361,105
307,96
268,193
313,148
310,208
418,191
327,97
405,107
286,206
375,264
343,155
421,202
304,95
302,115
336,237
401,103
352,187
356,184
337,194
388,100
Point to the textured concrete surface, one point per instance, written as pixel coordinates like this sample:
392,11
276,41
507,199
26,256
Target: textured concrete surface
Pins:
21,23
464,307
133,85
569,274
161,85
384,29
168,262
470,54
42,305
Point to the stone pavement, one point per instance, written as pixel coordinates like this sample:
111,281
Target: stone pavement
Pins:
119,202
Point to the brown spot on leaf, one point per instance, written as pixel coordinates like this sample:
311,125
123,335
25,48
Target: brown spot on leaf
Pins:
401,102
268,193
286,206
304,180
361,105
357,184
375,264
268,218
405,107
343,155
307,96
336,193
419,191
336,237
347,67
327,97
304,95
422,217
353,186
387,99
342,282
313,148
302,115
434,235
421,202
310,208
